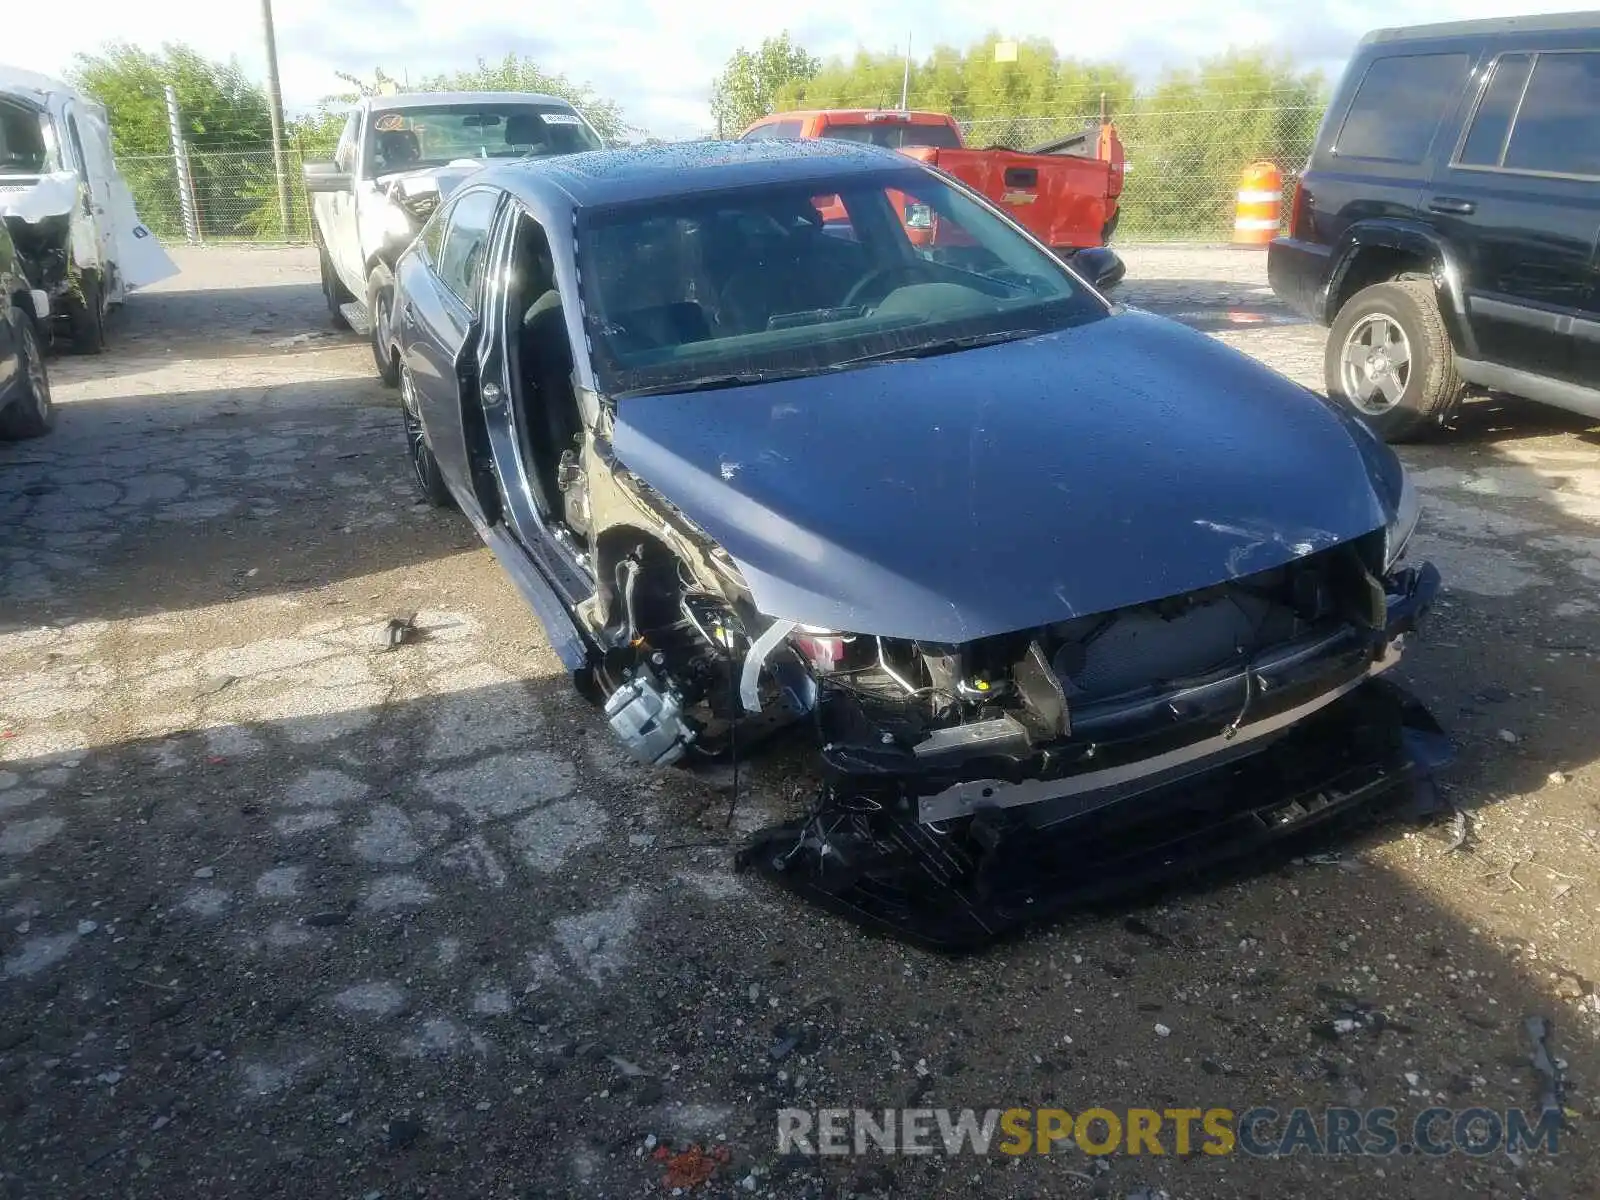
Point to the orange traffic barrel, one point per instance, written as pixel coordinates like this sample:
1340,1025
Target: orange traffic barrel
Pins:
1260,205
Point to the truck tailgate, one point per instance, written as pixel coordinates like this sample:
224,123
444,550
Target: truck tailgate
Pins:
1065,201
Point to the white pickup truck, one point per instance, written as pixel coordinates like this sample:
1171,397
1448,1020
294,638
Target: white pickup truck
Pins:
397,160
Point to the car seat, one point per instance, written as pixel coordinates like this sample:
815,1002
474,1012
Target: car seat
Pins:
399,148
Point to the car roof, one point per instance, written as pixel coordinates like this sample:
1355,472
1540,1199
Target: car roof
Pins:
1489,27
600,178
432,99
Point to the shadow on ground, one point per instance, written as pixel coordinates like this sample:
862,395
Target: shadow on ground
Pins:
375,949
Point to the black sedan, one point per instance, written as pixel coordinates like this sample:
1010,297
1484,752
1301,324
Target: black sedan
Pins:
25,409
1069,594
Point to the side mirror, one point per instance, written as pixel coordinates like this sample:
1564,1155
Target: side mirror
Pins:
326,177
1104,269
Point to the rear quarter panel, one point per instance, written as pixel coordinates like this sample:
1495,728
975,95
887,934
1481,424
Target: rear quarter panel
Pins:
1343,190
1064,201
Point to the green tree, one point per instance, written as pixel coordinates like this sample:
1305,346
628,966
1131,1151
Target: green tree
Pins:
751,81
1191,137
1036,98
224,123
220,106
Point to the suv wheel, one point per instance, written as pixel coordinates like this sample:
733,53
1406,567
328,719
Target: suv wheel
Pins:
334,292
1389,360
30,414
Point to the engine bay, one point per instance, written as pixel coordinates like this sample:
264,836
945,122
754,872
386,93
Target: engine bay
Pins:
1018,704
968,788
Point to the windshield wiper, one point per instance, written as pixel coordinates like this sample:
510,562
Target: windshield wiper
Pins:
733,379
940,346
712,383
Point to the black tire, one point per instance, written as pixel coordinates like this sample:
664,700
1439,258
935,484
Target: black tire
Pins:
86,314
380,310
30,414
1378,327
334,292
424,466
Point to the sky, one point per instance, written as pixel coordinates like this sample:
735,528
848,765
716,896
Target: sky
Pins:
658,58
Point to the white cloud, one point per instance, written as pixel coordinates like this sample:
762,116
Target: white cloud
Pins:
658,58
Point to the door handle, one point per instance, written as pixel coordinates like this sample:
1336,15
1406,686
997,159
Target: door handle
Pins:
1450,204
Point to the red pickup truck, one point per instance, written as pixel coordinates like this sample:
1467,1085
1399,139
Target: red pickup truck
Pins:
1066,194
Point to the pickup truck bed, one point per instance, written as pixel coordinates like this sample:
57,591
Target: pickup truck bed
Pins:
1066,201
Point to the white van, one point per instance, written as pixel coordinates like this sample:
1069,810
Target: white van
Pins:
69,211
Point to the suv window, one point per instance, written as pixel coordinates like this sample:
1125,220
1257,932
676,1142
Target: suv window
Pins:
1486,140
1398,107
460,263
1557,129
1540,114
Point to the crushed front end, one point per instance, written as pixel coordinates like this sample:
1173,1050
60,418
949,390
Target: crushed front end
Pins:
970,788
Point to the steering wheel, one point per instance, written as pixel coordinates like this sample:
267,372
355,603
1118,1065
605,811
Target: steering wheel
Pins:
876,275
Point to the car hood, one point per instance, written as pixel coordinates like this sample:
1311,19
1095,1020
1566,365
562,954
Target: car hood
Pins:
997,489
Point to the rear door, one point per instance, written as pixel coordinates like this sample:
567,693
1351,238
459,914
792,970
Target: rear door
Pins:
1377,162
1520,197
439,321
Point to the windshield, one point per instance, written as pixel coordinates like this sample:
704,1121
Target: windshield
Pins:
895,135
406,139
22,146
772,281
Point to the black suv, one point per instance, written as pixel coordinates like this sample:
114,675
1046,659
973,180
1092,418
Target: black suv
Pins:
1447,226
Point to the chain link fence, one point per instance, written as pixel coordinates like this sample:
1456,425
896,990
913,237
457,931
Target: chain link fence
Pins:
234,194
1183,164
1183,172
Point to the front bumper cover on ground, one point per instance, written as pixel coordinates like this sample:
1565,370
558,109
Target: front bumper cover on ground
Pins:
958,885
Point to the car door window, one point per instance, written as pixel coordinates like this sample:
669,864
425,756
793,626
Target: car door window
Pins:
344,155
431,239
1398,107
1557,128
466,242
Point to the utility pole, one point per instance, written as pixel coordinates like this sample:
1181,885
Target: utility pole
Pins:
905,79
275,103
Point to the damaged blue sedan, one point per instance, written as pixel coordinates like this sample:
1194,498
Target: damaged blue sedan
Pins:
808,434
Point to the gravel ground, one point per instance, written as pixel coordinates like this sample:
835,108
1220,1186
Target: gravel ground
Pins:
283,911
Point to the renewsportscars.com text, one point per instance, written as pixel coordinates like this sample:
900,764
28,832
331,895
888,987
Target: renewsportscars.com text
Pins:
1259,1132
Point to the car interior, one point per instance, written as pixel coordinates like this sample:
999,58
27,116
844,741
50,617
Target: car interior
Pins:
550,421
727,282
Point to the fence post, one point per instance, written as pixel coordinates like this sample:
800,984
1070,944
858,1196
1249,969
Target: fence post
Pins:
180,163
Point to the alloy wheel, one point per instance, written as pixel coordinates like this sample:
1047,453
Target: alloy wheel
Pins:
1375,365
416,442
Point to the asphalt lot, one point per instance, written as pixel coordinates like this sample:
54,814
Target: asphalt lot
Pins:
285,912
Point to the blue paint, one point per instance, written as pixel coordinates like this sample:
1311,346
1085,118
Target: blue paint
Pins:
999,489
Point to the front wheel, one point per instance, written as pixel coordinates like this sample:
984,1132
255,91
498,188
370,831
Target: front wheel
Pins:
380,308
334,292
86,314
430,480
30,414
1390,361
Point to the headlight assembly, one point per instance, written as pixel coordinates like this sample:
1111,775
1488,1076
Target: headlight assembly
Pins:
1403,524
